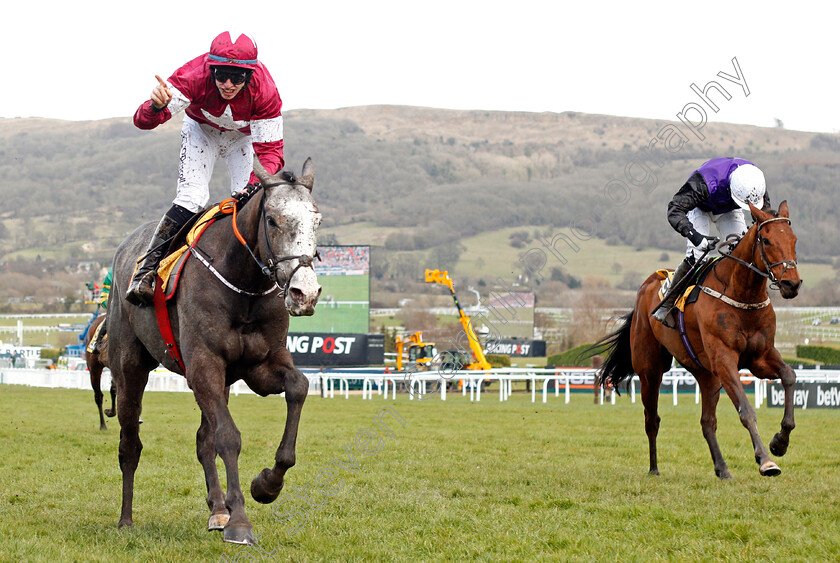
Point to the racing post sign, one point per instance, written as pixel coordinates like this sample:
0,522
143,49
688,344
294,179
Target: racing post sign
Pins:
806,395
335,349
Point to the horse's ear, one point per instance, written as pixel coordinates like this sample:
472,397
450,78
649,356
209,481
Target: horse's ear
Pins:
757,214
307,175
260,171
783,210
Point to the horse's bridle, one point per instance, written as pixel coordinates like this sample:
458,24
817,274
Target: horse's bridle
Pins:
271,269
788,264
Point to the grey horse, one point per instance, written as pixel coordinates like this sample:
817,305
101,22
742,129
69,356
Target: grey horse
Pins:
229,318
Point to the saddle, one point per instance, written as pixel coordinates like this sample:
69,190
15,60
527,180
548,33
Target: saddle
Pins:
689,296
172,264
95,337
169,273
692,290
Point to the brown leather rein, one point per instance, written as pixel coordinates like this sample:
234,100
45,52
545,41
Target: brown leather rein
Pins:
787,264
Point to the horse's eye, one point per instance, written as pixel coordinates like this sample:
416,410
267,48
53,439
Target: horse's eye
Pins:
765,240
271,222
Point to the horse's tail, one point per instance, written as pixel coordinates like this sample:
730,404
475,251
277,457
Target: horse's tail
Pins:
618,366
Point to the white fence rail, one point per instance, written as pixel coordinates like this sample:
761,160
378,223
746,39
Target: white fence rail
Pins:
421,385
425,385
159,380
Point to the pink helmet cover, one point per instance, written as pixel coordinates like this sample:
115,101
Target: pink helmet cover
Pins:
224,51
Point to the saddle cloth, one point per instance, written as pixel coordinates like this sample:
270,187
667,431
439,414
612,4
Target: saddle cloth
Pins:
692,291
96,336
170,267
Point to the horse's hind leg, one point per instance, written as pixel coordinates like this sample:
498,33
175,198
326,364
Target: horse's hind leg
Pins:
651,381
113,410
95,381
710,393
206,451
650,361
129,400
267,485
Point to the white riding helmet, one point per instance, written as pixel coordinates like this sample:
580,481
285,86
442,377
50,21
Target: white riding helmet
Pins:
746,184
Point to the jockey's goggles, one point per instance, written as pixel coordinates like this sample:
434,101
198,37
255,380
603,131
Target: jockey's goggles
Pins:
235,75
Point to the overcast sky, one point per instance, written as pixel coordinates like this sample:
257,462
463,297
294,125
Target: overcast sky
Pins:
94,60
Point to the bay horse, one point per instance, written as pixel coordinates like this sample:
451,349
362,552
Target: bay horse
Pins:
731,326
96,362
229,317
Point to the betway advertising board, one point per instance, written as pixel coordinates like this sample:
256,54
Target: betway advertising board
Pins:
806,395
335,349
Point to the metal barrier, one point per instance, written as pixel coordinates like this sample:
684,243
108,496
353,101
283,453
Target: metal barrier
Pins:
417,383
421,385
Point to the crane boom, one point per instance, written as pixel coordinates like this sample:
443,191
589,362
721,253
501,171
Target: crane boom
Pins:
442,277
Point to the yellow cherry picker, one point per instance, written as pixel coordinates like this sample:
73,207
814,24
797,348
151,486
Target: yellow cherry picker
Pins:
460,359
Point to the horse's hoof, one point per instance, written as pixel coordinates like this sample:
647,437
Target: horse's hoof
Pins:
778,447
125,523
103,428
242,535
110,413
260,491
769,469
217,522
723,474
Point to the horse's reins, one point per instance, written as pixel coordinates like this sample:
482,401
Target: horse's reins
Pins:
774,281
788,264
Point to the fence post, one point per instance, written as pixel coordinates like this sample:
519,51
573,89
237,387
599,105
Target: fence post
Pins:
674,379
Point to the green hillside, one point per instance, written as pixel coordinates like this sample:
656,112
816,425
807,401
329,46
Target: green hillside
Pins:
424,187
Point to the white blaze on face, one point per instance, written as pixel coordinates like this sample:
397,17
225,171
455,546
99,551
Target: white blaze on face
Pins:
299,224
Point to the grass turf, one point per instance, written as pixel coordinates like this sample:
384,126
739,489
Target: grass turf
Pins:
459,480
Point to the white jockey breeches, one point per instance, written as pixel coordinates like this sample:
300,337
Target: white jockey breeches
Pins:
201,146
729,223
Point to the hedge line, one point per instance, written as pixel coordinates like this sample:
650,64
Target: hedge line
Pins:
573,357
820,354
498,360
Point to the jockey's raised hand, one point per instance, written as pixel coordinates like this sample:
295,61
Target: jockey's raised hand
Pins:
161,96
233,112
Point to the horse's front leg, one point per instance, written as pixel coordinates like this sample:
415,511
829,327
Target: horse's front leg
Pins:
725,366
267,485
206,377
206,452
771,366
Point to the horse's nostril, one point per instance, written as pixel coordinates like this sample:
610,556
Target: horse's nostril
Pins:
297,294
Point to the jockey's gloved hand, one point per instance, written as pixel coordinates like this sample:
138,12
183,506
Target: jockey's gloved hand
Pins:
242,196
707,243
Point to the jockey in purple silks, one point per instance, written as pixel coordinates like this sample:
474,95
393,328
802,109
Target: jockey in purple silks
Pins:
718,192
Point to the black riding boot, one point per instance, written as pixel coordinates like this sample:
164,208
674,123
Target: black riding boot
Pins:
662,313
142,287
